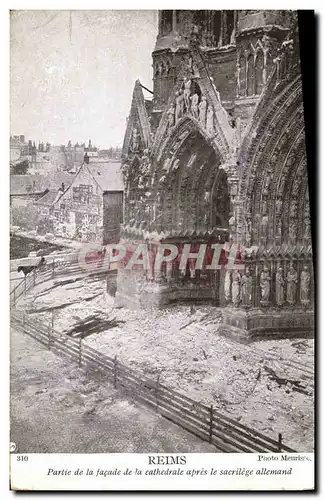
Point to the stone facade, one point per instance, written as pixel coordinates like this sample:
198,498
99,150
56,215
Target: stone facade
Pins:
219,156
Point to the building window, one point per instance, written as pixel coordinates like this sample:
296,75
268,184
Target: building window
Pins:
242,77
250,75
259,72
230,26
216,23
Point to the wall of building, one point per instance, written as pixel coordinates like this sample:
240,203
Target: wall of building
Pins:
112,216
78,214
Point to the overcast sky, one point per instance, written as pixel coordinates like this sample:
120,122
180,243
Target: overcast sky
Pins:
72,74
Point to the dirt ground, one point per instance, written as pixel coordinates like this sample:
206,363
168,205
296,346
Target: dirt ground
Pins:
57,408
193,358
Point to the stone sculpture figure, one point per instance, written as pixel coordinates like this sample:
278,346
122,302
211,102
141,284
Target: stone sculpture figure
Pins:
265,286
194,105
278,206
210,121
171,113
203,111
236,286
179,105
267,184
135,140
264,226
292,232
246,288
292,281
186,94
227,286
305,280
307,228
280,287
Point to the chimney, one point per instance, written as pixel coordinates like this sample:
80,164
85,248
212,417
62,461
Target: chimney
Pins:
86,159
62,187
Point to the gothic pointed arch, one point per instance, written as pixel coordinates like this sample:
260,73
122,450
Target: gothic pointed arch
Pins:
197,98
137,135
274,170
189,187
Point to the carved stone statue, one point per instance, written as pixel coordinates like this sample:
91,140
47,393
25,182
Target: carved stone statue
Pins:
293,208
135,140
265,286
186,94
232,224
248,237
307,228
210,121
236,286
194,105
227,286
171,113
203,111
264,226
266,185
264,204
179,105
292,281
278,206
292,232
280,287
246,288
305,286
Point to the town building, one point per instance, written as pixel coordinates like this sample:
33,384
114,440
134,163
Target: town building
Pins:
89,208
218,155
24,191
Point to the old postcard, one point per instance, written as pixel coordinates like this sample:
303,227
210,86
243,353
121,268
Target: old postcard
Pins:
161,261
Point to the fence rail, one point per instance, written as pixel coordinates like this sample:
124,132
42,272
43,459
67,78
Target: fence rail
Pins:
225,433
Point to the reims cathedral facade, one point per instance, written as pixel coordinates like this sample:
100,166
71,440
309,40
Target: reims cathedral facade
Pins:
218,156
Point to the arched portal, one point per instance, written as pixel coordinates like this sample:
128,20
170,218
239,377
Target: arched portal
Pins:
194,196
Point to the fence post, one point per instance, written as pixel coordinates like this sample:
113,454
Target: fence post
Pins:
53,269
80,350
51,330
157,391
211,423
279,441
115,372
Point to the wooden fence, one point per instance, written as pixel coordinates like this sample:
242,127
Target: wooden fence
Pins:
225,433
55,269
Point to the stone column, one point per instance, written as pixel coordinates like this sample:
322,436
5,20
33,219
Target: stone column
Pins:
174,21
232,40
221,35
236,206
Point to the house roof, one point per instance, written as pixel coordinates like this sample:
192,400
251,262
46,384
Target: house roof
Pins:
27,184
37,183
107,174
50,198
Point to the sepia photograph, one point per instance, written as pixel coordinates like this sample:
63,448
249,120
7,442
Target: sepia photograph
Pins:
162,286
